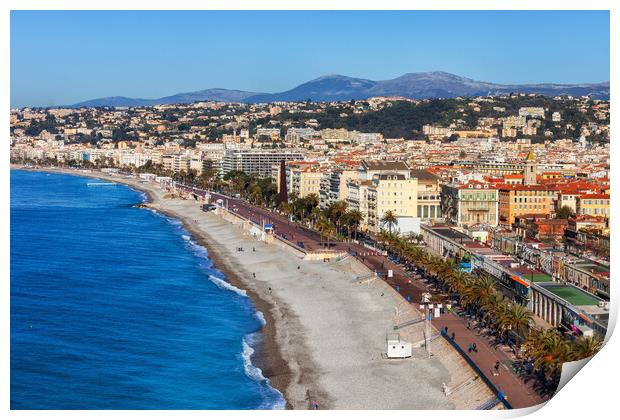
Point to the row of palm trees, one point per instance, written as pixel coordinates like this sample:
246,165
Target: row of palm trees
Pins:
545,350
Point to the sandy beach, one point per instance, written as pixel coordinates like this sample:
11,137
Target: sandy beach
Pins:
325,329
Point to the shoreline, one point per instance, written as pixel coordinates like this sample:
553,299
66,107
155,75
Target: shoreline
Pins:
325,331
267,354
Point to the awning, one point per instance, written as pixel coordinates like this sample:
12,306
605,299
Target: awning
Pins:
585,318
520,281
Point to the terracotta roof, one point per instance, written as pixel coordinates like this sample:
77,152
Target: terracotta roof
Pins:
385,165
423,175
520,187
604,196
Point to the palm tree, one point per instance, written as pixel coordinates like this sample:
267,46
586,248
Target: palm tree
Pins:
286,208
352,219
585,347
481,290
335,210
518,319
549,350
256,194
315,215
491,306
325,227
389,219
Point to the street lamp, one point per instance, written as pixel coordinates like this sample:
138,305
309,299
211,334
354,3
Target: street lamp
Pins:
426,299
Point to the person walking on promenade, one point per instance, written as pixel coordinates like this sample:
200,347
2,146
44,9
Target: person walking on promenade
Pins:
453,336
496,368
474,347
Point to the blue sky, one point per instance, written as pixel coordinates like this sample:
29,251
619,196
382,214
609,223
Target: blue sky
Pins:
63,57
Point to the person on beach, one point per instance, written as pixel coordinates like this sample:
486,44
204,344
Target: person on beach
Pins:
254,275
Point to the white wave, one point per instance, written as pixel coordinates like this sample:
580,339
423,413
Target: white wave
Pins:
261,318
252,371
256,374
222,284
275,401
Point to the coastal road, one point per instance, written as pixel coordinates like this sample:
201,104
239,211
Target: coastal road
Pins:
518,393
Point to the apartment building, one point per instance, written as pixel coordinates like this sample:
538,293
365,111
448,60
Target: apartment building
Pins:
531,111
593,205
428,194
257,162
470,204
334,186
357,199
272,133
369,168
176,163
391,192
519,200
303,178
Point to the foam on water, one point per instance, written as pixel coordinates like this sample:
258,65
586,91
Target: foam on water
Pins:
255,373
222,284
261,318
250,341
99,376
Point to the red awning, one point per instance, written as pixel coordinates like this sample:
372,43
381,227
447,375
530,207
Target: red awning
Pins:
585,318
520,281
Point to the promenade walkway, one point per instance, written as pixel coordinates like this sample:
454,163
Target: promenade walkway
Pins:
518,393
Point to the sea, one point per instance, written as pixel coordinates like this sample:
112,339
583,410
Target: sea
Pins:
117,307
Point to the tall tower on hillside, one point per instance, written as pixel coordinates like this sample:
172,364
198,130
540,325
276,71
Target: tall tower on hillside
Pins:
283,193
529,176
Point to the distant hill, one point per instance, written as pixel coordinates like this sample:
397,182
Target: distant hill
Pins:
216,94
436,84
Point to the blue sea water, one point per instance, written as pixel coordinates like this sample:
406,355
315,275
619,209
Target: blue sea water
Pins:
115,307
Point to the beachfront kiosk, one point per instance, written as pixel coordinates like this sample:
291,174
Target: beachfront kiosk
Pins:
397,349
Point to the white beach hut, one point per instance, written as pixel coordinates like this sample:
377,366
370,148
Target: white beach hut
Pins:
397,349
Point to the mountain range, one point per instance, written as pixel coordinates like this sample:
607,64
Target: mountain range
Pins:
436,84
